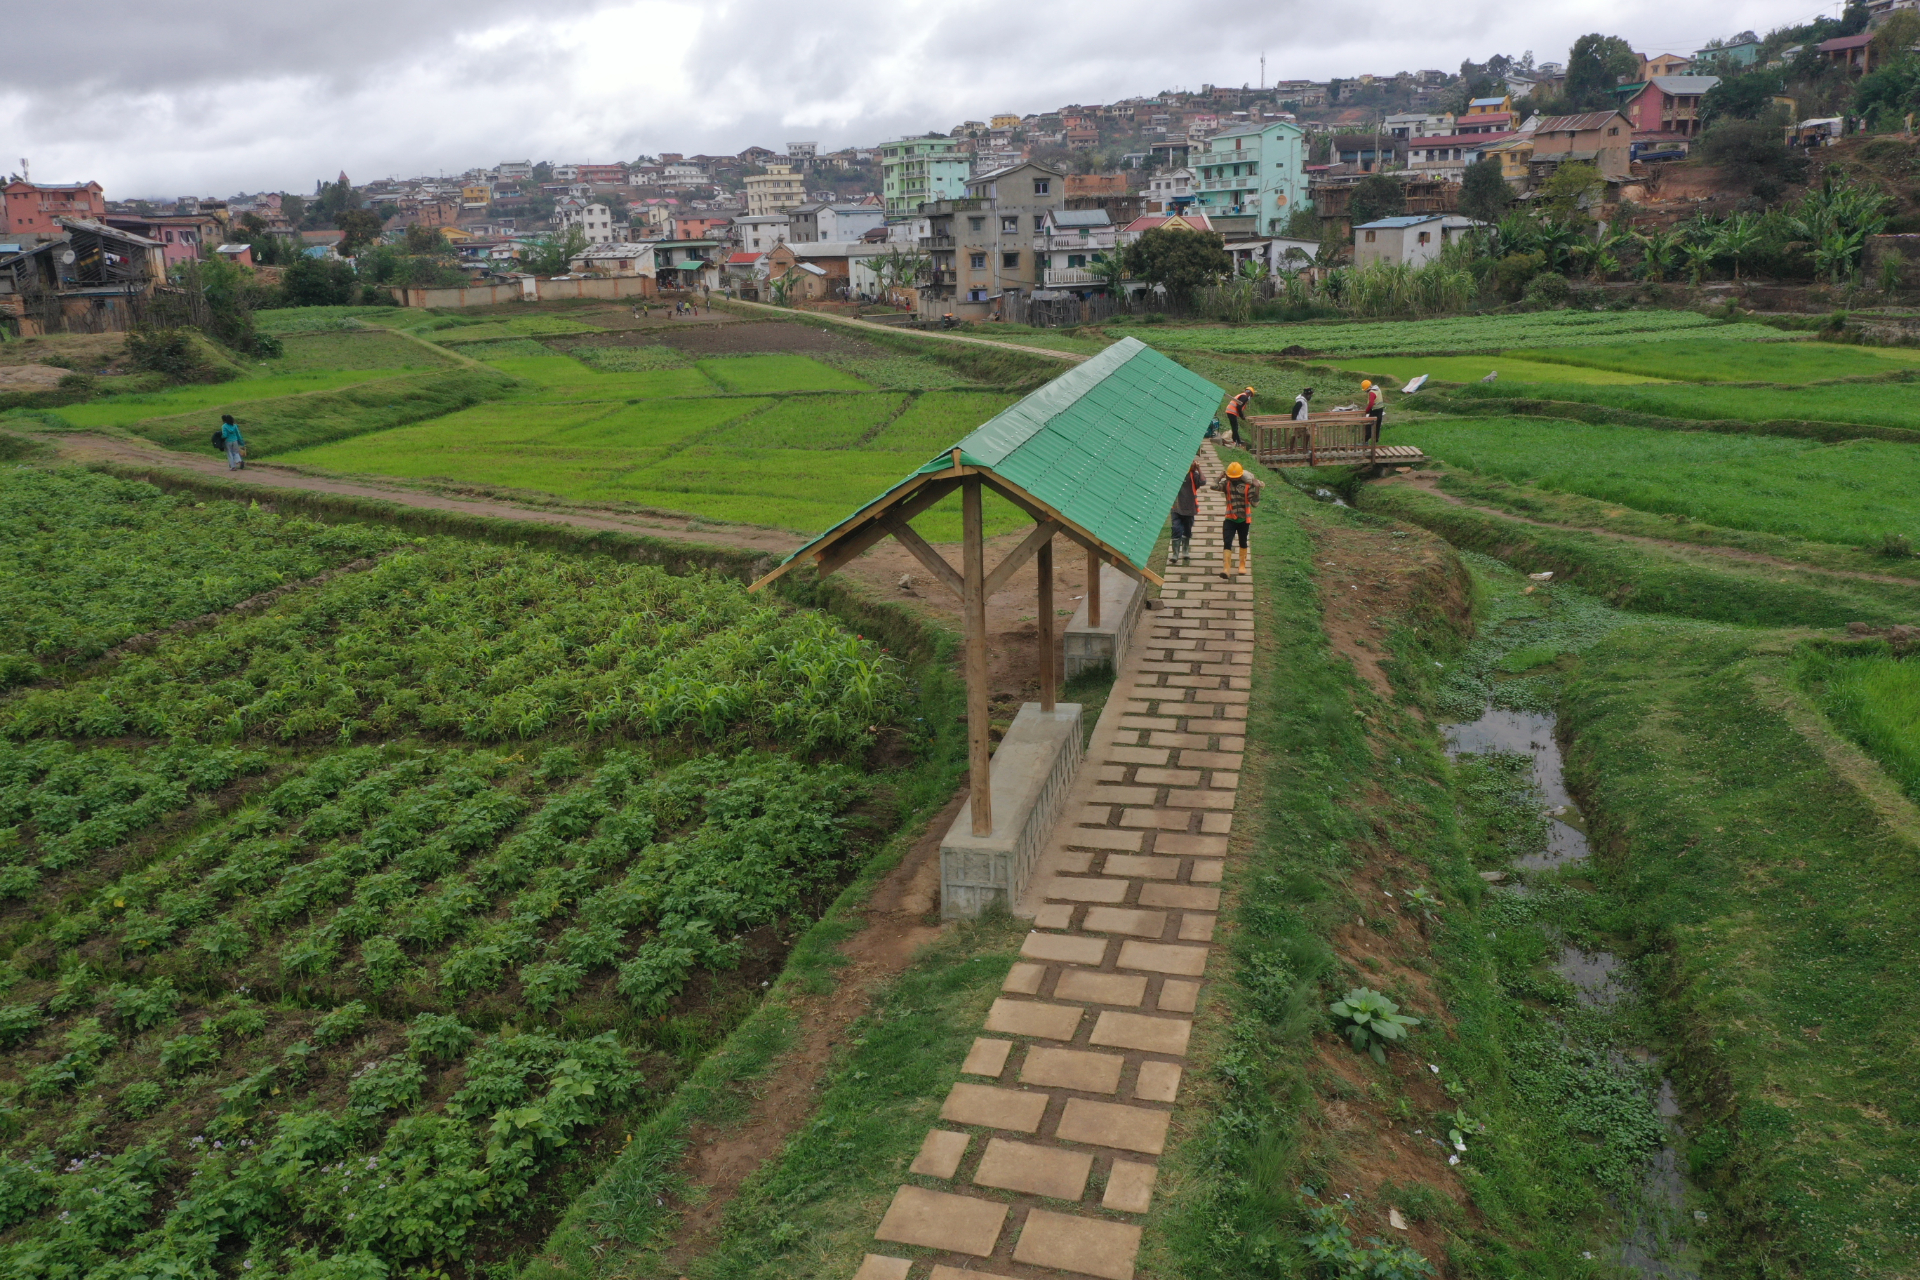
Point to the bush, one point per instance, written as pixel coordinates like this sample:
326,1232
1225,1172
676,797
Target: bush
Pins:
173,354
1896,546
1512,273
1548,289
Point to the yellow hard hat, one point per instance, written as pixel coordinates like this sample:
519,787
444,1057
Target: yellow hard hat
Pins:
1365,385
1251,389
1235,471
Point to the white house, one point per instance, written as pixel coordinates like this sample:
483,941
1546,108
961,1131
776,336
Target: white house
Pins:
1164,189
619,258
1415,124
1069,242
1414,239
595,220
759,232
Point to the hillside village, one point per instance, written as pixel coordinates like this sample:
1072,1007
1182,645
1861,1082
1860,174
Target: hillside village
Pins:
1028,216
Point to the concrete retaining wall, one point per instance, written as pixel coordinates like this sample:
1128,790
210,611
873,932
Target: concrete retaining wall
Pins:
1086,646
1032,772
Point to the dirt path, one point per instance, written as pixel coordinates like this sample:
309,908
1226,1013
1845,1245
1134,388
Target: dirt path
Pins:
902,915
891,571
1428,482
1071,357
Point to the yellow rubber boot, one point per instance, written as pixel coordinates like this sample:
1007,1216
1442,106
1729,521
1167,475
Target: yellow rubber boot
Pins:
1226,563
1243,559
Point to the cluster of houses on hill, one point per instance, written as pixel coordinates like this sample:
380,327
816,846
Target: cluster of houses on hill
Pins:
960,222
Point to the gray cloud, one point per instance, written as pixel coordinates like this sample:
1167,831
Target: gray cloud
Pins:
276,96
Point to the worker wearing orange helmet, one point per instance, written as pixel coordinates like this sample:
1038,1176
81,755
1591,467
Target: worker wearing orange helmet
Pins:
1243,494
1236,414
1376,409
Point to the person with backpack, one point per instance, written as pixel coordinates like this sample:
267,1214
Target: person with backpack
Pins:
1236,413
1243,494
1376,409
228,437
1186,505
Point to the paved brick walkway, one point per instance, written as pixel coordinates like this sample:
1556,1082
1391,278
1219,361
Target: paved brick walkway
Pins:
1070,1091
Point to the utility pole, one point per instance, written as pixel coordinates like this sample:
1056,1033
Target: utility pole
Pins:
1263,71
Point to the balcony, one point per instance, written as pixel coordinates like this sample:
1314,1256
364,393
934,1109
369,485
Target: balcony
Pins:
1247,183
936,242
1063,276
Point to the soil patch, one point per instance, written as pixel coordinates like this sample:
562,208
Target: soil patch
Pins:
1372,580
745,336
30,377
900,918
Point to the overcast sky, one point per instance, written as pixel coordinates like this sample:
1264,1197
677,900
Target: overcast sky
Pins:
270,98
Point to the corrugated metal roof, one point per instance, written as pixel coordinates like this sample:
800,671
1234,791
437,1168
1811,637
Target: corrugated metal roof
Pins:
1105,444
1080,218
1574,124
1684,85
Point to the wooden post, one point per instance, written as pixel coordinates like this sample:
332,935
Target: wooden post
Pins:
1043,570
1093,588
974,604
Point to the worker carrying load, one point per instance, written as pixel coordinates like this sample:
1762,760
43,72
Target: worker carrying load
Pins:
1243,494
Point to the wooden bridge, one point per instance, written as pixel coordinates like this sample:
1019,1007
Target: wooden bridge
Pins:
1325,440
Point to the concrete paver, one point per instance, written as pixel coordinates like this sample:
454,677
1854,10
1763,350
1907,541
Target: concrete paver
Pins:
987,1057
940,1154
1044,1171
1114,1124
1072,1069
1140,1031
1089,1246
941,1220
993,1108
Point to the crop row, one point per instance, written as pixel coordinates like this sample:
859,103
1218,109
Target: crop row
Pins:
487,643
1461,333
266,1013
87,561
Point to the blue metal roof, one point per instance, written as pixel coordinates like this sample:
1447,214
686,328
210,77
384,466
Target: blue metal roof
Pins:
1404,220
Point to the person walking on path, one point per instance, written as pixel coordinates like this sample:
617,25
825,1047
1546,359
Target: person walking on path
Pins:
1186,505
1243,494
1376,409
234,442
1236,411
1302,411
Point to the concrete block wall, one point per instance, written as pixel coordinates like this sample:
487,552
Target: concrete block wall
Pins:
1033,770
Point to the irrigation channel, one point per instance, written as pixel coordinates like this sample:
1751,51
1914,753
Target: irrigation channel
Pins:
1509,669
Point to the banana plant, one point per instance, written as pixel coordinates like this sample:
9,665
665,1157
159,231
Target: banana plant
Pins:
1737,238
1657,250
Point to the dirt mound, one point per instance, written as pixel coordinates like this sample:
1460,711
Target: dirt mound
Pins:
1372,580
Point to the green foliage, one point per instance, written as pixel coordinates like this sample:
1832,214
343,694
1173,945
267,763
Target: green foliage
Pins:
1484,194
763,375
1889,405
1177,259
174,354
88,561
1371,1021
318,282
1595,65
1377,196
1753,153
550,254
1777,363
1874,699
1335,1256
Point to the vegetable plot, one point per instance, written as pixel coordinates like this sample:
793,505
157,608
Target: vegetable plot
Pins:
365,1017
87,561
1460,333
485,643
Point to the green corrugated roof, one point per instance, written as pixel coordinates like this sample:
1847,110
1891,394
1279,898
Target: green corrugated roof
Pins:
1105,444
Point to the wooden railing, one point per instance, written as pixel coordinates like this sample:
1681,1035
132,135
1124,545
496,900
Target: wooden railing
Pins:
1325,439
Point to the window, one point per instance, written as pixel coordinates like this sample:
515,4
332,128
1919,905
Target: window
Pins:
1076,260
1614,132
978,261
1042,186
1010,226
976,295
1370,236
976,224
1426,237
1010,261
1040,223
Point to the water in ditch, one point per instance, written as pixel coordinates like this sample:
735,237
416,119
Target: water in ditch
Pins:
1508,675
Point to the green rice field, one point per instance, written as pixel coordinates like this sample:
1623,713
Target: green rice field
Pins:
1882,404
1797,362
1451,334
1511,366
213,399
1848,493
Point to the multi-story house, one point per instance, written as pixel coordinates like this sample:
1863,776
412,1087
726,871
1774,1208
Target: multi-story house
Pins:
760,232
775,191
1256,170
1415,124
1665,111
982,245
822,220
594,220
1069,242
29,208
917,171
1169,190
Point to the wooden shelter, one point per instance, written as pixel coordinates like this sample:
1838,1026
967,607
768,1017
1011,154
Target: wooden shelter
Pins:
1095,456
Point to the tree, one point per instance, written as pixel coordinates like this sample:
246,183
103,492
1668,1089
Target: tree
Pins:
1573,186
336,198
293,209
1753,154
1376,196
425,239
1595,67
543,172
1179,259
1484,194
360,226
1742,97
549,255
317,282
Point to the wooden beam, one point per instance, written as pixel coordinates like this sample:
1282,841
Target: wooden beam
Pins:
979,755
1042,535
1039,510
1049,661
844,551
1093,587
909,537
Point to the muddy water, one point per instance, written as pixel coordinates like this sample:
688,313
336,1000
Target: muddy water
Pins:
1655,1246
